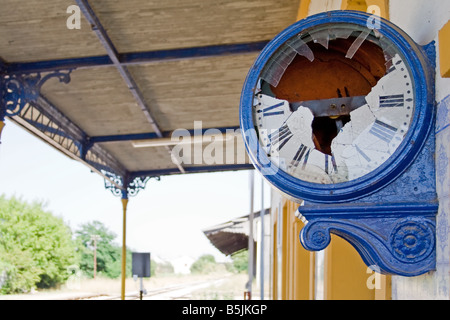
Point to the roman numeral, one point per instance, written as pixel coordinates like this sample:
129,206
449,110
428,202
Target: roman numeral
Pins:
397,100
365,156
270,111
393,67
327,163
383,131
302,154
281,137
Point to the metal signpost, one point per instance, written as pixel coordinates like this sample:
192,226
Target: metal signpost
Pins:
141,268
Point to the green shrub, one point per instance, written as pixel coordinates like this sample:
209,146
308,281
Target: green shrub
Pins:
36,248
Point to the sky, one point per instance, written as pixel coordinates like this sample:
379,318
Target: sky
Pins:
166,219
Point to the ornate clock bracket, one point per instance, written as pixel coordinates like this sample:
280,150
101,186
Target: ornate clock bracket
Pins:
394,230
392,239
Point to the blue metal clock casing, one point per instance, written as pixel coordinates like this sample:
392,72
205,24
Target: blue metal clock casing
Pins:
388,215
419,131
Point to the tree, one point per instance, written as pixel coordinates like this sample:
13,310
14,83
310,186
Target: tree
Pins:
240,260
109,255
205,264
36,248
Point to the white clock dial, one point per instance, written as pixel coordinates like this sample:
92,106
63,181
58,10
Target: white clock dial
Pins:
344,135
377,129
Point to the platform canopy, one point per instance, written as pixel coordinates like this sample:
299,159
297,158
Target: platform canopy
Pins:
112,92
232,236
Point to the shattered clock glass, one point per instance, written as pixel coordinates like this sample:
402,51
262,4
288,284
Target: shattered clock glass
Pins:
333,103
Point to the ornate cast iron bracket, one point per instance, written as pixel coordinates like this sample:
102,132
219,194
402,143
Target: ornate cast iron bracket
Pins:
390,239
19,89
130,188
393,231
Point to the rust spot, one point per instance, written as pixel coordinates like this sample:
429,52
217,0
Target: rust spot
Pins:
331,72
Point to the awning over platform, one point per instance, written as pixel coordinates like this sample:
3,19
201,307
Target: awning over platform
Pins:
232,236
111,93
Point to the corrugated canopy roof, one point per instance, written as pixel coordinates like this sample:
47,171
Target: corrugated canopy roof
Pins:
232,236
134,72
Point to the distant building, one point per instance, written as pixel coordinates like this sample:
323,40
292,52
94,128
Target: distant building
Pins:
182,265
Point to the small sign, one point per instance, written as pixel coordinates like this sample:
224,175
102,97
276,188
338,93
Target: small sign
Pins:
141,264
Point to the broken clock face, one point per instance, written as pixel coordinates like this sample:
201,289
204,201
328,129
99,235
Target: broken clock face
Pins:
333,103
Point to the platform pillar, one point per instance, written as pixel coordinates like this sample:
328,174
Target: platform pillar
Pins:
2,125
124,247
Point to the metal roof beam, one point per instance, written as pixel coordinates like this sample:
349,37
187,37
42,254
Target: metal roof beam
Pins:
192,53
152,135
194,169
136,58
100,31
102,35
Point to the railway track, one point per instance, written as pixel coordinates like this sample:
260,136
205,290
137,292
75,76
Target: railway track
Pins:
171,292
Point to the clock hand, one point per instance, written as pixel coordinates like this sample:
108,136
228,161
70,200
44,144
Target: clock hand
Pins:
331,107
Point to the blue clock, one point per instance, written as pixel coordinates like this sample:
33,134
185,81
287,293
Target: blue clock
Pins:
334,109
338,114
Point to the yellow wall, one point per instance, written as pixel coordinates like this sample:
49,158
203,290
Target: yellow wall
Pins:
2,124
297,263
361,5
303,9
368,6
444,50
354,5
274,261
346,275
348,278
302,266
